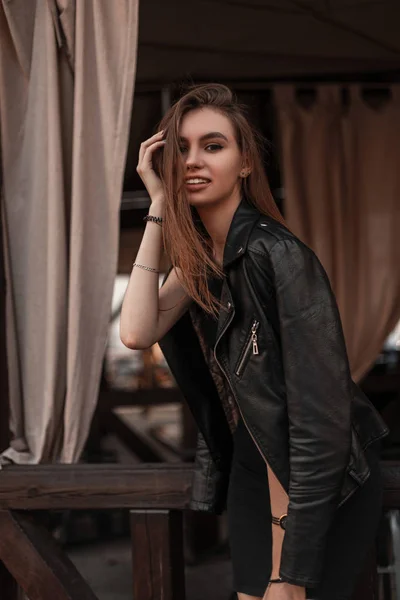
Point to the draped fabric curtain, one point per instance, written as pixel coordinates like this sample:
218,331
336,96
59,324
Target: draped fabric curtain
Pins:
342,197
67,72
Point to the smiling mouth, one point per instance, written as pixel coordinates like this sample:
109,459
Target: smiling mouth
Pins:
197,181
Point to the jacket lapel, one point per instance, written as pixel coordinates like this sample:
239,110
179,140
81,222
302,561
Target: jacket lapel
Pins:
244,219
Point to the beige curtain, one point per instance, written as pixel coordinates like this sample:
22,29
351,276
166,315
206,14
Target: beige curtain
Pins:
342,197
67,71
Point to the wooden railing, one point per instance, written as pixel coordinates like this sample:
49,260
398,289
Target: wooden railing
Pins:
155,496
31,559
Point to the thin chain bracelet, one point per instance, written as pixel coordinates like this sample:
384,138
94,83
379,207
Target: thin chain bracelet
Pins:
145,268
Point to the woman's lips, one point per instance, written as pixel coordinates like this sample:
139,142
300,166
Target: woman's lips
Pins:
196,187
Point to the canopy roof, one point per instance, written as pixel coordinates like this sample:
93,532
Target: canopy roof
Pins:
261,39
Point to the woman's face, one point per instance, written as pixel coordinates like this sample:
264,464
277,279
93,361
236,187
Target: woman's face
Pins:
212,157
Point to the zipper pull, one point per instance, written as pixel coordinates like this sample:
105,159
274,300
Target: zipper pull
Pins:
255,345
254,338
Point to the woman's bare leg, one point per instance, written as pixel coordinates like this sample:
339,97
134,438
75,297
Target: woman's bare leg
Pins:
247,597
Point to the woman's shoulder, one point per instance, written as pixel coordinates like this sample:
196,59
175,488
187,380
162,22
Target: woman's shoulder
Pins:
270,237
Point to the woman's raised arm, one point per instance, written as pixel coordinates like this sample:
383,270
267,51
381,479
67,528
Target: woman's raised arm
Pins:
147,312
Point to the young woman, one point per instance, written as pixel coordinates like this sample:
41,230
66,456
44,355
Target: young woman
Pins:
249,326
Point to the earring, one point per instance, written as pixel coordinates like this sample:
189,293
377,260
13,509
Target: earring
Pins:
244,173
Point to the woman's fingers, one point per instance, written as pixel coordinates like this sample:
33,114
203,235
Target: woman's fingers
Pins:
144,145
146,164
145,168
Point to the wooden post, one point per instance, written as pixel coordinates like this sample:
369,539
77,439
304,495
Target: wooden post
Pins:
157,555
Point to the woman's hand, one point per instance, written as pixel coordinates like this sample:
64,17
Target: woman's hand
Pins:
284,591
145,166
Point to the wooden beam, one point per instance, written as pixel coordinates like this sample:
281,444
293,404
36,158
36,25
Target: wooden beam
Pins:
117,397
121,486
95,486
37,563
137,441
157,555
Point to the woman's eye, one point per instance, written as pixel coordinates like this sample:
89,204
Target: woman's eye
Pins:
214,147
210,148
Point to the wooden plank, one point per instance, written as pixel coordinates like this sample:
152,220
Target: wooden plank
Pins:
95,486
37,563
120,486
8,585
157,555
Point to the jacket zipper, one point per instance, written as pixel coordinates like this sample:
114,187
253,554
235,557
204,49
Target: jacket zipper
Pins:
229,382
235,397
252,343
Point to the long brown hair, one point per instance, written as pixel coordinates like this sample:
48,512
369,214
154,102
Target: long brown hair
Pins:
186,242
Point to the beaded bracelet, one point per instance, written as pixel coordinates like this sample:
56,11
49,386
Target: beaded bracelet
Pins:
153,219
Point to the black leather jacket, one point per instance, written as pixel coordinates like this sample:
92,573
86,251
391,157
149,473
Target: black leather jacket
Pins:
308,418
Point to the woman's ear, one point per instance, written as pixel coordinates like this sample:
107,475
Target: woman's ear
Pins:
246,166
245,172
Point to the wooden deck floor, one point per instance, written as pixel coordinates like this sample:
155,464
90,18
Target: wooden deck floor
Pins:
107,568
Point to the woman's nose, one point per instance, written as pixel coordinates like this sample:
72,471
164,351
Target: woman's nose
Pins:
193,159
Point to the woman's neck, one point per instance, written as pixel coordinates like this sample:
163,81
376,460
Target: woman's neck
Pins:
217,219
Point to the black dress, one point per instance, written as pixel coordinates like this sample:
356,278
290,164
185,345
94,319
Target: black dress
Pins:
349,540
350,536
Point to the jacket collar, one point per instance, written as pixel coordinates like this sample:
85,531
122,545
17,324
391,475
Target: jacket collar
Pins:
244,219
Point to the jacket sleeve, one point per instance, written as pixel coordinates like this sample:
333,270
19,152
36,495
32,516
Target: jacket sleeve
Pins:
318,391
